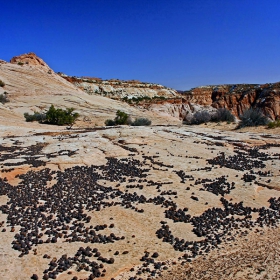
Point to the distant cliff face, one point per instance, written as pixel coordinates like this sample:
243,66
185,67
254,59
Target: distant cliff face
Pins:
238,98
119,90
167,101
161,99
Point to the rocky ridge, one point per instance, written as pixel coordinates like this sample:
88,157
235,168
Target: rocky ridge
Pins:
119,90
167,101
32,86
31,59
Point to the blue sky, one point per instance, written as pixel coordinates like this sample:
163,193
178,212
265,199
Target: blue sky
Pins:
180,44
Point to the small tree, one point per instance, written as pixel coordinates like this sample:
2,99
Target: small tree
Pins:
2,84
54,116
121,117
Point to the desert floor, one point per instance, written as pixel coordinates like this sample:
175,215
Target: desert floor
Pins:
159,202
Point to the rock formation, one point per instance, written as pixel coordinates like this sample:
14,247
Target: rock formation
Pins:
32,86
151,97
117,89
31,59
238,98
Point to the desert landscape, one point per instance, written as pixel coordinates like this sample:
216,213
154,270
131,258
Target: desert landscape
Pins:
164,201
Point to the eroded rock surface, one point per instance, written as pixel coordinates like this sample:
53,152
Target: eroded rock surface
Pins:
121,90
33,87
131,203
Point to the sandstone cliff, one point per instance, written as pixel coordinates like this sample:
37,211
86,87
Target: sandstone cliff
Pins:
238,98
117,89
169,102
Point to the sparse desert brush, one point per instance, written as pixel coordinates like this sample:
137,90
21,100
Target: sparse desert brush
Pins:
2,84
199,117
252,117
141,122
39,117
120,119
61,117
110,122
54,116
223,115
274,124
123,118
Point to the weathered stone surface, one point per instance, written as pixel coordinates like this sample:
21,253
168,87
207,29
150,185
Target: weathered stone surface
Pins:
31,59
117,89
32,87
174,157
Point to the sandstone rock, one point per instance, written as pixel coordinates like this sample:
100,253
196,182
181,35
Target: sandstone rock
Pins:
31,88
31,59
238,98
117,89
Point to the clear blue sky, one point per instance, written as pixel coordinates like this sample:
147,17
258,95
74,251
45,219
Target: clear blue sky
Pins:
177,43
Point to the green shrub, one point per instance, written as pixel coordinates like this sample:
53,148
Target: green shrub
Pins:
60,116
2,84
141,122
3,98
20,63
274,124
252,117
53,116
121,118
223,115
